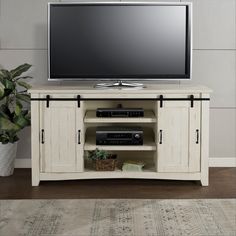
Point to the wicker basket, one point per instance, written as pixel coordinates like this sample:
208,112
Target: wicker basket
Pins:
105,165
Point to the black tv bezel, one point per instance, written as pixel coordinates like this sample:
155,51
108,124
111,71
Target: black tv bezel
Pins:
188,61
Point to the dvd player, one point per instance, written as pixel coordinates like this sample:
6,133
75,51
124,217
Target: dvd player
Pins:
120,112
110,135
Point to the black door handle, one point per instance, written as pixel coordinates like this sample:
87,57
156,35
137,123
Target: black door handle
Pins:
197,131
78,136
160,140
42,136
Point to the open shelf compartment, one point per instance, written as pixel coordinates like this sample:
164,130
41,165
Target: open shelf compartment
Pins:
148,158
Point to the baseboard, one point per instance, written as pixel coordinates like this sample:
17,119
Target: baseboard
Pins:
23,163
222,162
213,162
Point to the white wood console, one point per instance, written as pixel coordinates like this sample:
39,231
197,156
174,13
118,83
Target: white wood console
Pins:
176,131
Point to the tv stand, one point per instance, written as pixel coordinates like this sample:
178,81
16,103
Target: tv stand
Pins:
175,124
119,83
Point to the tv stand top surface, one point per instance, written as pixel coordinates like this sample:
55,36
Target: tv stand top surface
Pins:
149,89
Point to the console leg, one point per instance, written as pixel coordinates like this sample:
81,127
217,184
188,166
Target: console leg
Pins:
35,180
205,181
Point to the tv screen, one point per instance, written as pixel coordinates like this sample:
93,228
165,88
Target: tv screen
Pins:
114,41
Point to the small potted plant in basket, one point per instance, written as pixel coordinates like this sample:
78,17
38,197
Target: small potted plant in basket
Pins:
103,160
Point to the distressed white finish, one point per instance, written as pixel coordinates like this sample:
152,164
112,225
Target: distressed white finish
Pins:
25,27
7,158
151,90
60,123
204,141
213,162
177,148
61,157
214,25
120,174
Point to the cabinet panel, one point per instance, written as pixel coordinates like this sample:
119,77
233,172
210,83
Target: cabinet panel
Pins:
59,137
178,130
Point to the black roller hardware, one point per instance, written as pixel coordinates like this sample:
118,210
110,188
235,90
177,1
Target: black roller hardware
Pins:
191,99
47,100
161,100
78,100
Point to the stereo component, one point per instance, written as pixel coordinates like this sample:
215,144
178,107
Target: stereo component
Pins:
115,135
120,112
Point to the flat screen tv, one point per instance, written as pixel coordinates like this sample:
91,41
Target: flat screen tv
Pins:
119,41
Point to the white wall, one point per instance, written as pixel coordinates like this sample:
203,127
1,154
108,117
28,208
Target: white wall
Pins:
23,38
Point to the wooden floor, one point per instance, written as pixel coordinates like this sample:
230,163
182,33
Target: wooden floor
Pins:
18,186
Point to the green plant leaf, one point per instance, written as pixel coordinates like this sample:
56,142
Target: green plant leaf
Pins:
24,77
5,112
19,103
2,90
18,109
5,75
19,70
23,97
24,84
21,121
4,138
9,85
13,138
8,137
7,125
12,116
28,115
1,76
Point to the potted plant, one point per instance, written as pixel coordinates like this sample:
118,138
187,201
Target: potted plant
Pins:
14,114
103,160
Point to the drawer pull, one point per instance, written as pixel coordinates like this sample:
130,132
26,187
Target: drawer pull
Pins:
160,140
78,136
197,132
42,136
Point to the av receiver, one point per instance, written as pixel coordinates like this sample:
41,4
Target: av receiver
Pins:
115,135
120,112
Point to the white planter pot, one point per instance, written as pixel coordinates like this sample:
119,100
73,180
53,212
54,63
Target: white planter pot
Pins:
7,158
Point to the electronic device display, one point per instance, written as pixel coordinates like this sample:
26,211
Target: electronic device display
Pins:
119,112
112,41
115,135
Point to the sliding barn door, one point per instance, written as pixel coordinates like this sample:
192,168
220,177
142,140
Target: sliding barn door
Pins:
61,137
178,141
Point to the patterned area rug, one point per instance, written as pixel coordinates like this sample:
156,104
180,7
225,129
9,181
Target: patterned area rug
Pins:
118,217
